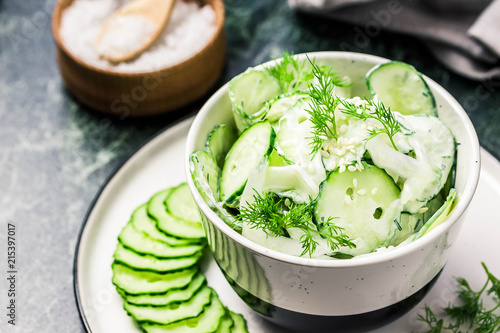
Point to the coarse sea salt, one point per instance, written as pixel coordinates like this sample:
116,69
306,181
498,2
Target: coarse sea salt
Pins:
125,35
189,29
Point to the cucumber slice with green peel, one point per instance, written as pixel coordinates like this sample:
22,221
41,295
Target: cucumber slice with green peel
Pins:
345,90
294,134
248,152
180,203
365,203
402,88
143,222
172,312
439,216
408,224
142,243
225,324
275,159
239,323
144,282
278,107
161,285
219,142
291,181
171,296
207,322
434,143
205,174
412,223
424,173
171,225
138,261
275,109
248,93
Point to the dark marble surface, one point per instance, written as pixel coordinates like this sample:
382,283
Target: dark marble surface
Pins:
55,154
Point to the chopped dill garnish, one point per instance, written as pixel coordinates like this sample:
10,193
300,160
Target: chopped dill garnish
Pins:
270,214
471,315
291,73
319,81
322,109
295,75
377,111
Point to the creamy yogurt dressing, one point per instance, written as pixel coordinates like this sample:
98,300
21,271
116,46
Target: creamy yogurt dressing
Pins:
421,174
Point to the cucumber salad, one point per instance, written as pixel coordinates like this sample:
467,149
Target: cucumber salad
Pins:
310,170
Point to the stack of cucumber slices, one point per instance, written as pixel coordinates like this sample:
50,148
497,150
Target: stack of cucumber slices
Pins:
358,174
155,269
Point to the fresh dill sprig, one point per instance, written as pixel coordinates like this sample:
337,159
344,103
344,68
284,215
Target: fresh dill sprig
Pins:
295,75
322,108
273,216
435,325
377,111
471,313
292,74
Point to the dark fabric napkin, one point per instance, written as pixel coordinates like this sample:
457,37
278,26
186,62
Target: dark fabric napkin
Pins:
463,34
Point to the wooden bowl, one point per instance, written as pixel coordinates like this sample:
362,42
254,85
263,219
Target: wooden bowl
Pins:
145,93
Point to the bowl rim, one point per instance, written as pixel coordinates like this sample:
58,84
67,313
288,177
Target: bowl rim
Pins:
362,260
219,10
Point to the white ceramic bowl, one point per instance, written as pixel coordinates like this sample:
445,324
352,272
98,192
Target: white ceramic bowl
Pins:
372,289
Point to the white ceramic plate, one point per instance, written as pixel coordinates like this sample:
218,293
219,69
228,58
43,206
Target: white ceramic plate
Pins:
159,164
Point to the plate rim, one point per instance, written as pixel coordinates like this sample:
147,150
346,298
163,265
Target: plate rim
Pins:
95,199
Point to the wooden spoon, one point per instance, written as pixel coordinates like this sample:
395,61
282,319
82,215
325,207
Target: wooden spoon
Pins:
156,14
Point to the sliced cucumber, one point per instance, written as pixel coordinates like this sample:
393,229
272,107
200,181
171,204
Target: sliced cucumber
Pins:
291,181
440,215
402,88
207,322
239,323
408,223
412,223
143,222
276,159
171,296
248,93
144,282
180,203
432,142
293,134
425,174
160,284
276,108
247,153
350,145
152,263
365,203
142,243
419,181
219,142
172,312
205,174
171,225
293,140
225,324
344,90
